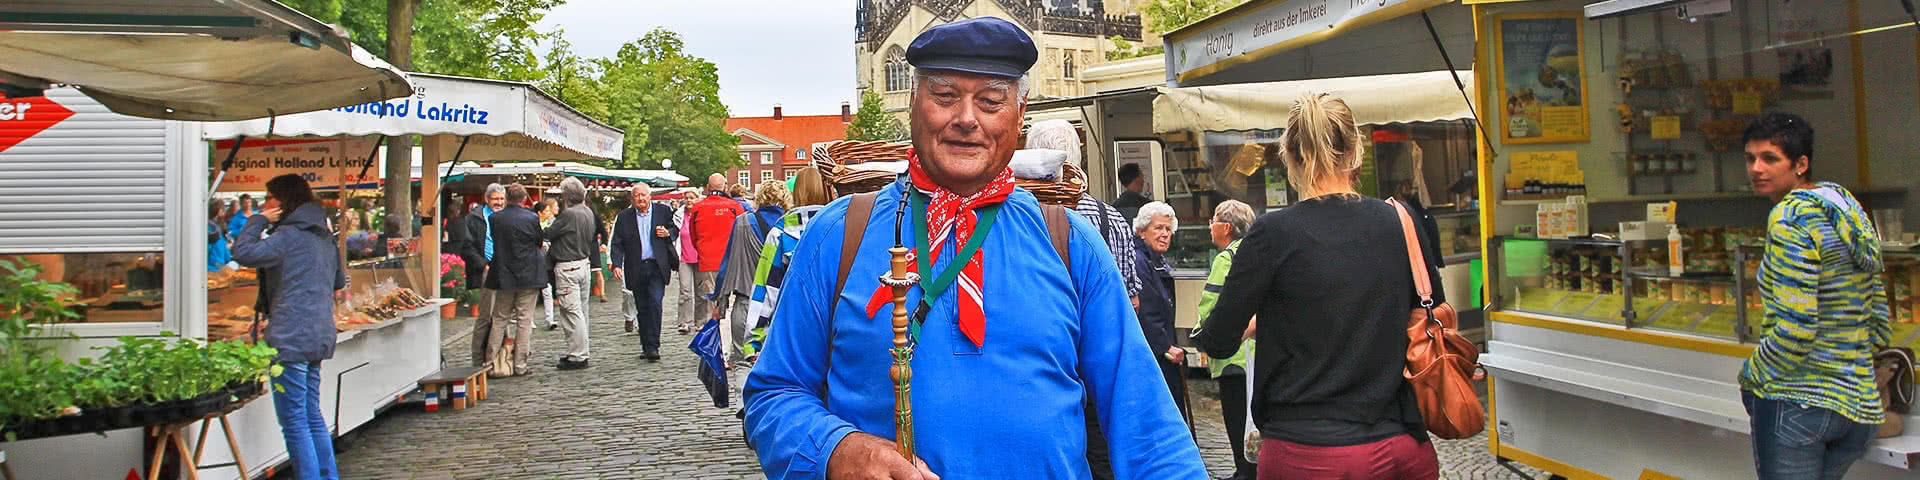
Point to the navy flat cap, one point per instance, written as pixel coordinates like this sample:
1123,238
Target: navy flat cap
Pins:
985,45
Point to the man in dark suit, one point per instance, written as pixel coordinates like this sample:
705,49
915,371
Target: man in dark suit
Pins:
516,274
478,250
643,256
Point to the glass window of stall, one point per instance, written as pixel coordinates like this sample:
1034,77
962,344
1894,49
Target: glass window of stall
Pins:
1669,98
381,257
1431,161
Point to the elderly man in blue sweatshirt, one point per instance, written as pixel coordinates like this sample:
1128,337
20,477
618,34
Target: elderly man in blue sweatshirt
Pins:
1006,348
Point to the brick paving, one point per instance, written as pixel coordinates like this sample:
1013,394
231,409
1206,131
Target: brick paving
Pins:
625,418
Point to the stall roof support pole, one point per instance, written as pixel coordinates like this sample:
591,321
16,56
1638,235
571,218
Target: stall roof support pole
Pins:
224,165
1477,124
369,162
439,187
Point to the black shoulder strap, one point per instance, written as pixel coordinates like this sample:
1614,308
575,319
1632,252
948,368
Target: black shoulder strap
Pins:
859,210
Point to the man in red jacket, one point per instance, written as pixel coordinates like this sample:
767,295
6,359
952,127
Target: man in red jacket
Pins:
711,222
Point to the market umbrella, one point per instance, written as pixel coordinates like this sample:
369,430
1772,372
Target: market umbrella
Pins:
713,372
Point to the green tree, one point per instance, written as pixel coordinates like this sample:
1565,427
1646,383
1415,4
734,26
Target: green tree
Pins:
572,79
474,38
1168,15
668,102
1164,16
872,122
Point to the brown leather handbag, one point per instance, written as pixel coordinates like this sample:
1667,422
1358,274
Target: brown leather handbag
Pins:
1441,364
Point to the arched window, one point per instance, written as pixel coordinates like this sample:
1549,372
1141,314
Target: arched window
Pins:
896,69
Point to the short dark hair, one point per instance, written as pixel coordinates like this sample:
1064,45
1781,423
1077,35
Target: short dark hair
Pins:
1792,133
291,190
1129,173
516,194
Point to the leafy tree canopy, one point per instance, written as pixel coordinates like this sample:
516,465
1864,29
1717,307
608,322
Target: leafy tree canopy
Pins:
667,101
872,122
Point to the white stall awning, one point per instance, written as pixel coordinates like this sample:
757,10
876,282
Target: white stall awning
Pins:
199,60
505,121
1375,100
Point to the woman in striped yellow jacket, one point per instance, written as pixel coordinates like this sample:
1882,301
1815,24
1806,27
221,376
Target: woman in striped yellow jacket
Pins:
1808,387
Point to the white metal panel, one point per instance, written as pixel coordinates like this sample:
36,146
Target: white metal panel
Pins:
94,182
1613,407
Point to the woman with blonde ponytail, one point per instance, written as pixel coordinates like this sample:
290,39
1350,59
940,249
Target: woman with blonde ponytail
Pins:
1331,293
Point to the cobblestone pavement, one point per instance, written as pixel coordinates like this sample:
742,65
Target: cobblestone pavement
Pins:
626,418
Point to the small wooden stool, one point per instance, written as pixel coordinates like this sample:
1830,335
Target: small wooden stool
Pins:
466,385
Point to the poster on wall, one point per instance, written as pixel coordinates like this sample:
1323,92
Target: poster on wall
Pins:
1541,69
1806,62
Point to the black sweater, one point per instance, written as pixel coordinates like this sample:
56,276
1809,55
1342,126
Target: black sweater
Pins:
1332,289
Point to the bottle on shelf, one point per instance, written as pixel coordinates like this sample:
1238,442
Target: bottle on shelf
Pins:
1676,260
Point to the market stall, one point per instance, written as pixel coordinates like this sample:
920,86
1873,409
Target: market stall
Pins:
390,331
190,59
1209,135
1619,119
108,194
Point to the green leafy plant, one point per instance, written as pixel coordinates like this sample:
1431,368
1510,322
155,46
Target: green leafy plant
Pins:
33,382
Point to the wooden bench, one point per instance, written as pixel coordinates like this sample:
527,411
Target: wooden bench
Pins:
465,385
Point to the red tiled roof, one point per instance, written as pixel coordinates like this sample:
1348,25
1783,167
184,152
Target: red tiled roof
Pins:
796,131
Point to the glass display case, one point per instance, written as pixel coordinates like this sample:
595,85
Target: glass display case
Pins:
109,287
1628,284
371,254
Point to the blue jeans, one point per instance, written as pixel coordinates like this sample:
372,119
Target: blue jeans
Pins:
296,400
1793,441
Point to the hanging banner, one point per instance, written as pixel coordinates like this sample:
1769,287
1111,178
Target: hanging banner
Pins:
1258,29
452,106
319,160
1541,68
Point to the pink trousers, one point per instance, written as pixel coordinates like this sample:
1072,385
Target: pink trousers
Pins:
1397,458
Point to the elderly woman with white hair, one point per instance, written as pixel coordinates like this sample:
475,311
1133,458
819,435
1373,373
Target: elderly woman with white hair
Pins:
1154,229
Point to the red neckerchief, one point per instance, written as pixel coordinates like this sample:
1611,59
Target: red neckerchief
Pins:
950,214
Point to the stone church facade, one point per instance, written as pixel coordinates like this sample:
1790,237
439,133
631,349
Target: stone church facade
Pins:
1070,34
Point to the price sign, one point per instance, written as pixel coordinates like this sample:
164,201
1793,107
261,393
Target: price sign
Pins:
1666,127
1746,103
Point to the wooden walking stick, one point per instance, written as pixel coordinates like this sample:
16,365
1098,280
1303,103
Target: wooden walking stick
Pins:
900,280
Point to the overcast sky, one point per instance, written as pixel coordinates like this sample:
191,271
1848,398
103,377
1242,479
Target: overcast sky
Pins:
797,53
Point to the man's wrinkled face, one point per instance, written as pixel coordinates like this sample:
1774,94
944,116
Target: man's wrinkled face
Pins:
966,127
497,201
640,197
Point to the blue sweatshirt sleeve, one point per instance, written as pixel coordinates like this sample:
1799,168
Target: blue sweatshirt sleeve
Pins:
787,421
1146,437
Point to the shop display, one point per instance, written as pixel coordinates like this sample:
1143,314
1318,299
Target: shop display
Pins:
1545,176
382,303
1661,163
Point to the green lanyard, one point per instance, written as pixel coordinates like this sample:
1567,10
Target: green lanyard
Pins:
932,290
